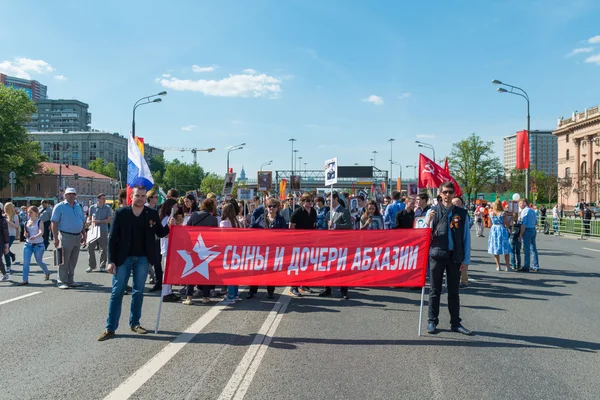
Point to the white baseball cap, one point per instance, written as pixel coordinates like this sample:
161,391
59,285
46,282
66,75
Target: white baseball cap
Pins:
70,190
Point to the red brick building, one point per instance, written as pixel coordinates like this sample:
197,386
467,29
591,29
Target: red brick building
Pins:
45,185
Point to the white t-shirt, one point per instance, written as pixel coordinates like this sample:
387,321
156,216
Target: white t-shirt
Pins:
225,223
32,231
11,230
164,242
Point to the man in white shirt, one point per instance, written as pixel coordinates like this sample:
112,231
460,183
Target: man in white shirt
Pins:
555,218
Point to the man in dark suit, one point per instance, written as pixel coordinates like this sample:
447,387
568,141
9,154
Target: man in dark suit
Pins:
131,247
337,218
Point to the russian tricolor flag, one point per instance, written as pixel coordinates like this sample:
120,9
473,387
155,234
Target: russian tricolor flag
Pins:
138,172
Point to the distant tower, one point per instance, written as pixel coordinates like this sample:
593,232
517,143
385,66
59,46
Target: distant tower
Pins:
242,177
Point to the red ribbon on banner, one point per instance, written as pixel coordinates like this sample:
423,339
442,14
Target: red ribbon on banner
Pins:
275,257
522,150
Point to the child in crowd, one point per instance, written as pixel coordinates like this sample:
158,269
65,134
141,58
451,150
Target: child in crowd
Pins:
515,244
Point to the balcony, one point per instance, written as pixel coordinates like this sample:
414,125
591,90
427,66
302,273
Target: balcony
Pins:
579,117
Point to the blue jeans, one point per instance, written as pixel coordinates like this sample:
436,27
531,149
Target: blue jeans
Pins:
38,252
232,292
515,254
555,225
529,247
139,266
7,259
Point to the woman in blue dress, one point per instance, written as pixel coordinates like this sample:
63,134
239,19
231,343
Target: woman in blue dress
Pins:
498,243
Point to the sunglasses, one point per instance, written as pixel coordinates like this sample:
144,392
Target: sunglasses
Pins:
447,191
271,206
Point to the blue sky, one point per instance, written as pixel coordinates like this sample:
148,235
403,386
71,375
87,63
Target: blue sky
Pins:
341,77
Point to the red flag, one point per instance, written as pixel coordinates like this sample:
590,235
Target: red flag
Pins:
353,190
446,168
432,175
522,150
383,187
214,256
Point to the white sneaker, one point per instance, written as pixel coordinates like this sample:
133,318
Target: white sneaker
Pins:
102,269
4,278
63,286
90,269
227,302
237,298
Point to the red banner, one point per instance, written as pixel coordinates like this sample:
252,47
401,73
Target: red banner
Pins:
432,175
274,257
446,167
522,150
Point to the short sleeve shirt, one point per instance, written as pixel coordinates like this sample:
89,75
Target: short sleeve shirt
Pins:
100,213
303,219
69,218
528,218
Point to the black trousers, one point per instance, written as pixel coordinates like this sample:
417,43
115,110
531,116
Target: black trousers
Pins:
438,266
343,289
46,234
254,289
158,271
189,290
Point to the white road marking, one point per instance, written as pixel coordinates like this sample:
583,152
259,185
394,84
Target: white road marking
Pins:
141,376
587,248
242,377
19,298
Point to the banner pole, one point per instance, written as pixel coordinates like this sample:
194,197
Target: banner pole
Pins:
331,207
159,310
421,309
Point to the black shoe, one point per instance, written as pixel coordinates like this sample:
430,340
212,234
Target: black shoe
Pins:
152,281
155,288
344,296
171,298
463,285
250,295
325,293
306,289
294,292
431,328
461,329
270,296
13,257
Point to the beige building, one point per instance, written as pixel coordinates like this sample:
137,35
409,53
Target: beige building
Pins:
579,157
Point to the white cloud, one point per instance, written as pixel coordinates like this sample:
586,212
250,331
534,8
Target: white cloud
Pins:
198,68
377,100
425,136
593,59
166,75
188,128
250,71
21,67
404,95
244,85
61,78
594,40
580,50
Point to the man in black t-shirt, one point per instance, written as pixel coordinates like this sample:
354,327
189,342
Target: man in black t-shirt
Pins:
305,217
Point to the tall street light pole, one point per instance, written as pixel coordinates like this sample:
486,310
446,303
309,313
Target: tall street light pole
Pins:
233,148
148,99
292,140
374,152
300,164
296,160
524,95
391,158
427,146
264,164
414,167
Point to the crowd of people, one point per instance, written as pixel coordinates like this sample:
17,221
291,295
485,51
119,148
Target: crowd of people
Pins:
132,241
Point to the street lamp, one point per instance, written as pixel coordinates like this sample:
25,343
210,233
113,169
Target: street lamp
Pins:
295,158
305,167
398,164
265,163
524,95
292,140
300,165
374,152
391,158
233,148
149,99
414,167
427,146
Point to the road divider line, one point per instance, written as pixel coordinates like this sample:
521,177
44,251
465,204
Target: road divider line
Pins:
142,375
242,377
19,298
587,248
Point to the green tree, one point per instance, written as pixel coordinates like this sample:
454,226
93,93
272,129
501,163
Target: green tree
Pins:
99,165
17,152
182,176
474,165
158,166
212,183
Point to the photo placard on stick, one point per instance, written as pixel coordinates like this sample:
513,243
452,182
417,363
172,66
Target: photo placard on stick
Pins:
331,171
228,184
265,179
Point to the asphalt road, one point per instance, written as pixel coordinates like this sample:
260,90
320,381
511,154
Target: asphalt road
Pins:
536,337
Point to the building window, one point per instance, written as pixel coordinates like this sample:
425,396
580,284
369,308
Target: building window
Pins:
583,171
567,138
567,172
38,187
568,152
28,187
597,169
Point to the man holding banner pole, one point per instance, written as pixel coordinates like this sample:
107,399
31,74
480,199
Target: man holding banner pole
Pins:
450,252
